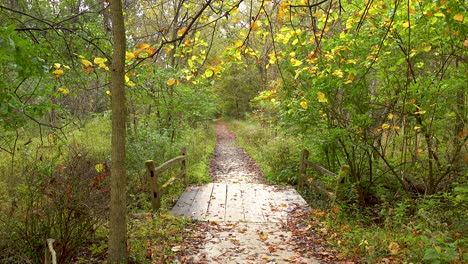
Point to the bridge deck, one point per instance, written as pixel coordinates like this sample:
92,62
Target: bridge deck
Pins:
238,202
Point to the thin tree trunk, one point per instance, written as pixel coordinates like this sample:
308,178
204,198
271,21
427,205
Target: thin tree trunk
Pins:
118,227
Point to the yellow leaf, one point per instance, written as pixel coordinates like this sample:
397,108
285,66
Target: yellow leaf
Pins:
108,93
171,81
99,60
254,25
329,57
181,31
321,97
295,62
209,73
421,112
150,51
458,17
63,91
58,73
126,78
86,63
385,126
143,46
262,236
304,105
57,66
405,24
390,116
131,84
338,73
129,55
66,67
99,167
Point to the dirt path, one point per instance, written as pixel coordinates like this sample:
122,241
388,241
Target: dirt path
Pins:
230,163
243,220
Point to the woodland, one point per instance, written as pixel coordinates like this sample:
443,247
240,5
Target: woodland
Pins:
374,90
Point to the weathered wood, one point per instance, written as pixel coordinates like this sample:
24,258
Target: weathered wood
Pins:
166,165
183,205
154,185
217,208
320,169
170,181
50,254
251,203
157,189
234,204
303,168
184,166
200,204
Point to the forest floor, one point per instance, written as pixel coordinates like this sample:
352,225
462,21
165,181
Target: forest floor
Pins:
275,232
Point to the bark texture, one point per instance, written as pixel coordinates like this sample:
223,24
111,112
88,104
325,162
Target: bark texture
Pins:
118,227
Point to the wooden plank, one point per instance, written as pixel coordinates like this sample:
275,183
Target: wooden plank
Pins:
161,168
171,180
270,210
217,207
201,201
253,211
320,169
234,204
183,205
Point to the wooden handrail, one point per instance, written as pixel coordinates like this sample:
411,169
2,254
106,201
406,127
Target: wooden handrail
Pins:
157,189
303,179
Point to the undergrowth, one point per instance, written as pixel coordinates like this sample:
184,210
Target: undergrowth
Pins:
58,187
396,229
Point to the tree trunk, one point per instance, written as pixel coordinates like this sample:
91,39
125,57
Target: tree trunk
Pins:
118,226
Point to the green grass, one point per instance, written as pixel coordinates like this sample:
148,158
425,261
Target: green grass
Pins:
277,155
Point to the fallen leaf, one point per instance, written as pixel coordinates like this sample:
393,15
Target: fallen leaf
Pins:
262,236
176,248
394,248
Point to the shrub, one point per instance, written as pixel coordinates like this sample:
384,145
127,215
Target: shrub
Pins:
59,200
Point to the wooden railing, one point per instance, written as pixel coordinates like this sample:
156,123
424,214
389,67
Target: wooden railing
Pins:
154,174
304,180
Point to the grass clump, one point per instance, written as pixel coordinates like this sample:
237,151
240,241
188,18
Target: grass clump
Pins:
277,154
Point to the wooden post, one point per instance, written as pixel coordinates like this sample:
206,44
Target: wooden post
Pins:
184,166
154,185
50,255
302,169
